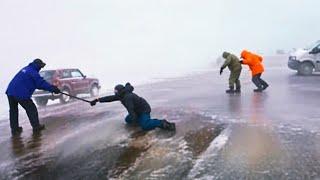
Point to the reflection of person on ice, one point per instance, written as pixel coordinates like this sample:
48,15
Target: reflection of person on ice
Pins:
20,91
138,108
254,62
234,66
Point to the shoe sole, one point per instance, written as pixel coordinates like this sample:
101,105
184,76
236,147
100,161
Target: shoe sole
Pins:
258,91
38,130
15,133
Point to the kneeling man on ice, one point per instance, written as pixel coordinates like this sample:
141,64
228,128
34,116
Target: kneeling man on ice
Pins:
138,108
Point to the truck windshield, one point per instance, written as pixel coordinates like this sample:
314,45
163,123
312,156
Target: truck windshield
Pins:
47,75
313,45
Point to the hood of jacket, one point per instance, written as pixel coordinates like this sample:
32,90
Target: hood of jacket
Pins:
128,88
123,90
245,54
35,66
225,54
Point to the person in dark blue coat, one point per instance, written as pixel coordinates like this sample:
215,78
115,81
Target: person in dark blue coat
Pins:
20,90
138,108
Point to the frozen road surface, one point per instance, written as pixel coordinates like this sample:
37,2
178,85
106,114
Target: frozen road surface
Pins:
269,135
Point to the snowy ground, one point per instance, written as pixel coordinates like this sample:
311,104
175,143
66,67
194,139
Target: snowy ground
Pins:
272,135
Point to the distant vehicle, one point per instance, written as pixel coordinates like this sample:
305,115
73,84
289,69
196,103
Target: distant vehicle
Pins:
306,60
280,51
71,81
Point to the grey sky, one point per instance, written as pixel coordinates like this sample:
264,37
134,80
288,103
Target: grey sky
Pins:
136,37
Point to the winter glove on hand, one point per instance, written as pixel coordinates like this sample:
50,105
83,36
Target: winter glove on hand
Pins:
221,71
94,102
56,90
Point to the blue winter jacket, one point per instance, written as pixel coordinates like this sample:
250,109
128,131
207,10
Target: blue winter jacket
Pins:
26,81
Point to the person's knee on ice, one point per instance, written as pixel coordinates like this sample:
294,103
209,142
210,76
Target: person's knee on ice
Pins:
23,85
128,119
137,107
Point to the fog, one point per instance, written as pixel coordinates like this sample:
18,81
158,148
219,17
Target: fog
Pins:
120,41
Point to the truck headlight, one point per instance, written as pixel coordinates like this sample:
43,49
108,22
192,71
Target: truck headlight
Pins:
293,58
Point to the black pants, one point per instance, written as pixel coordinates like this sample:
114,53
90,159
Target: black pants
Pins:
30,108
260,83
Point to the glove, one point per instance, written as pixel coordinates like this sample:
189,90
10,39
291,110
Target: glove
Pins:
221,71
56,90
94,102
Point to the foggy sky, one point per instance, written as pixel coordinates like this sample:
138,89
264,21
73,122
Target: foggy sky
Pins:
128,38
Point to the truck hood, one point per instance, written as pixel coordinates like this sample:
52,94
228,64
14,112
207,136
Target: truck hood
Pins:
299,53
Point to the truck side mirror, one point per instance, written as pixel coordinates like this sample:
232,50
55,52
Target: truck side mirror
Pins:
84,76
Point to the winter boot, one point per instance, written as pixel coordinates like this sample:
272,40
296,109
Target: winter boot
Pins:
17,131
265,87
39,128
238,90
168,126
258,90
230,90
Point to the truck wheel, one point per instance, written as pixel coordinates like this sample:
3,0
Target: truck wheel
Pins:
63,98
94,91
306,69
41,101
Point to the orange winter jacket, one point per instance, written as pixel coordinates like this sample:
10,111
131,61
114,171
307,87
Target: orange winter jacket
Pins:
254,62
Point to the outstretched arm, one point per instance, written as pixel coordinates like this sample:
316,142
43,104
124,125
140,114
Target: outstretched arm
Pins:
109,99
105,99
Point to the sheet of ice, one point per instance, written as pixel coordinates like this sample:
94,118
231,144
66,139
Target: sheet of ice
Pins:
203,163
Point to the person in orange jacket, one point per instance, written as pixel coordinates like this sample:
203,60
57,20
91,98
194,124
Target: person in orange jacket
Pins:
254,62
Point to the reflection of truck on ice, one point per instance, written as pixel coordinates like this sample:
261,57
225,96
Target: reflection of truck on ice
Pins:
70,81
306,60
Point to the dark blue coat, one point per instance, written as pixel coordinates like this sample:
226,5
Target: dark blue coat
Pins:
26,81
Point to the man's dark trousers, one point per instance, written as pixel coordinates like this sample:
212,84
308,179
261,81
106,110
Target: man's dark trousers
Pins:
30,108
260,83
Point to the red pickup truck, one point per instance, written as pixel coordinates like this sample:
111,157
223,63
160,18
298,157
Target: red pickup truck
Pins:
70,81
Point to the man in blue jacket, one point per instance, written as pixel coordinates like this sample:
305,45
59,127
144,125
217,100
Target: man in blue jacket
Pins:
20,90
